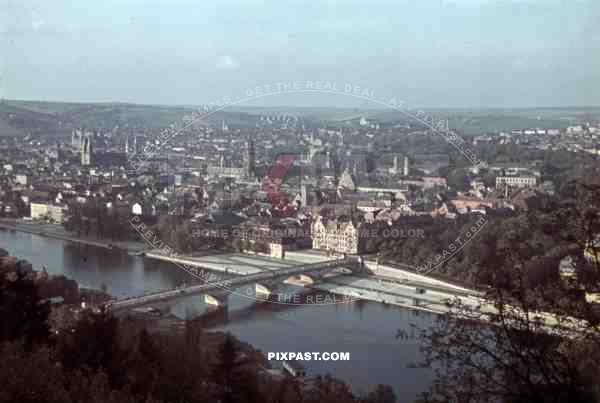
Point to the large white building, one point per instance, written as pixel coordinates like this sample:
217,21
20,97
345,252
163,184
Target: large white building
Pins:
335,236
21,179
44,210
592,253
519,181
228,172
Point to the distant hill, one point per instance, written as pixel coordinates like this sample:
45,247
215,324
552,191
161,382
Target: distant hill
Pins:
19,118
58,119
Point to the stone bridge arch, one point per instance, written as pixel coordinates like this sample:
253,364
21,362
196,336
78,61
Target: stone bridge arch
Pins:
299,280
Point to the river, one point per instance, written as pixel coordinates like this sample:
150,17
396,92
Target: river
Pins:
366,330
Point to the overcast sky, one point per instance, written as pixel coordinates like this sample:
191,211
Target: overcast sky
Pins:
429,53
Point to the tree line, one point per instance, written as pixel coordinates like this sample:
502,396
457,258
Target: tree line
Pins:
541,340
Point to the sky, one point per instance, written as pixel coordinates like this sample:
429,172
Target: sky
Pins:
427,53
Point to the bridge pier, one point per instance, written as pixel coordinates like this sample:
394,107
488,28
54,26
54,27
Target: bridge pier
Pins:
267,288
262,291
217,298
214,295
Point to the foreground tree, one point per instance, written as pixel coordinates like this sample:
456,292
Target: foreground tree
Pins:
381,394
24,315
513,359
326,389
236,383
93,345
535,335
100,359
35,377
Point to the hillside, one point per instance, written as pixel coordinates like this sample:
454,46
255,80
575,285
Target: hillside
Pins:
58,119
19,118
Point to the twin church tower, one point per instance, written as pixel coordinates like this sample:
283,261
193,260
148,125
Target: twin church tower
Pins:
82,141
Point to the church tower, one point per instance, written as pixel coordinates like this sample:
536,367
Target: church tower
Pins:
250,160
76,139
86,150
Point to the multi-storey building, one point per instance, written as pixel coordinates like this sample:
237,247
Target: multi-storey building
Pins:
335,236
520,181
46,210
592,252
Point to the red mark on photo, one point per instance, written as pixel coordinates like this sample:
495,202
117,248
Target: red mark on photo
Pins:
272,185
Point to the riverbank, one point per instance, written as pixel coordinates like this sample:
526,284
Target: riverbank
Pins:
58,232
367,330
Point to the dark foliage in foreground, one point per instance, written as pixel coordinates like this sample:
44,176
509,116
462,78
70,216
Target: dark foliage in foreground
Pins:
103,360
535,337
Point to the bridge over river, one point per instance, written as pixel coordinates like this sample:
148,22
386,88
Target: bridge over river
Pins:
216,290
